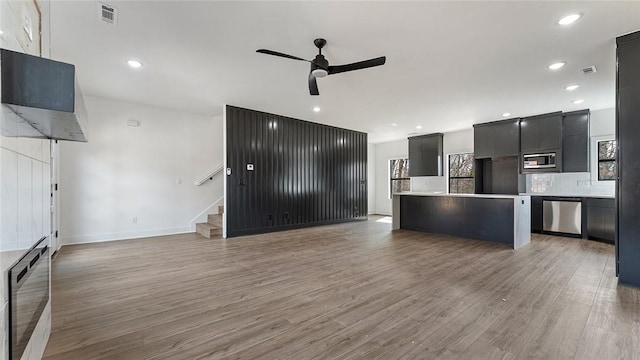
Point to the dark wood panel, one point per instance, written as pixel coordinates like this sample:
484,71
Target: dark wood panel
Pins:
541,133
426,155
499,176
475,218
627,130
497,139
536,214
575,141
304,173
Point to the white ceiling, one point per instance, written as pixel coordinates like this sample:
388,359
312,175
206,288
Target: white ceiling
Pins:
449,64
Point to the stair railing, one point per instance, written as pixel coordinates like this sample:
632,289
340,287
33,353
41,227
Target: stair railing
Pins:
209,176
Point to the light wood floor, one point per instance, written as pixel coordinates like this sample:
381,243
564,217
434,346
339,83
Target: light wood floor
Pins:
350,291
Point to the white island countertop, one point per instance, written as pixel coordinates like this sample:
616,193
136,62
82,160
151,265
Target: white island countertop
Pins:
599,196
491,196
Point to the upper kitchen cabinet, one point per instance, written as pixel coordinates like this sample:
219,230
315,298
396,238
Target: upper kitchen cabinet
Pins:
425,155
541,133
575,141
496,139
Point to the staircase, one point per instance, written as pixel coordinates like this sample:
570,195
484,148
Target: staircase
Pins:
213,227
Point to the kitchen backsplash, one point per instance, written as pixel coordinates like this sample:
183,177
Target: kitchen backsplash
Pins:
433,184
568,184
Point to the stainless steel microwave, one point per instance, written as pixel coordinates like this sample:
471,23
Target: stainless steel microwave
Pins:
539,161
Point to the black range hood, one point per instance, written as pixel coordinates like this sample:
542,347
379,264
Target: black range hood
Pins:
40,98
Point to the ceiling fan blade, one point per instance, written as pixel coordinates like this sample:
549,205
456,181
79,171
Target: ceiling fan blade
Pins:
313,85
275,53
357,65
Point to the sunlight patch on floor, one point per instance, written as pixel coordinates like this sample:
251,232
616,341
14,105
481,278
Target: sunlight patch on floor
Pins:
386,219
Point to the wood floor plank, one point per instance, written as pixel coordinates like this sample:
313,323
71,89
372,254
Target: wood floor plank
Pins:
348,291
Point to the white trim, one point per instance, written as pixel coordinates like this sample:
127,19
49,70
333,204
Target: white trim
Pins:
128,235
225,168
593,156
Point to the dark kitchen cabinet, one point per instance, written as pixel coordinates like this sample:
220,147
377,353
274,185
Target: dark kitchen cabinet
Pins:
627,130
536,214
425,155
601,218
541,133
483,141
575,141
496,139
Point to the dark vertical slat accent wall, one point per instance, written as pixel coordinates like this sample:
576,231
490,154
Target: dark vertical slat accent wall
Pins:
305,174
627,184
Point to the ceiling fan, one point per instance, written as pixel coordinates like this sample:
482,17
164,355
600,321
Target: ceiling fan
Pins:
320,66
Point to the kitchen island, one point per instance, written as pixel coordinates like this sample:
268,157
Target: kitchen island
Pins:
504,219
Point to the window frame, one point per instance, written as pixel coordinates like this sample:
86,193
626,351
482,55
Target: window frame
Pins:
599,160
390,179
449,177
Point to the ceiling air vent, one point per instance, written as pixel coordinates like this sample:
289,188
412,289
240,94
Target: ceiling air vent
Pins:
589,70
108,13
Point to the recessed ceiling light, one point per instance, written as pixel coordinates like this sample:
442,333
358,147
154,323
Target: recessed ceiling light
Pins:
557,65
572,87
134,64
419,127
394,124
579,101
569,19
506,114
316,109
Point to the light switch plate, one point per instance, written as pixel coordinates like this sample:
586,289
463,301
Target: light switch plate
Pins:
250,167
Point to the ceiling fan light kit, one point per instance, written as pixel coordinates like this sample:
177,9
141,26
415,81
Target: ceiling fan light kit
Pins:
320,66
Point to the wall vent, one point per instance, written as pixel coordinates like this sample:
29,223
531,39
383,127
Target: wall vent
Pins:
108,14
589,70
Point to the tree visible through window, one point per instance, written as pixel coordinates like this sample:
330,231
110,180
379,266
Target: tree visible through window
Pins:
400,181
461,173
607,160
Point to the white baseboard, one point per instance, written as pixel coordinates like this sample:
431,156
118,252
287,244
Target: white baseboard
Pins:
93,238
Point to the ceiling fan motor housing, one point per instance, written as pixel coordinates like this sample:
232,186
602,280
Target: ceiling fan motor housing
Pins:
320,66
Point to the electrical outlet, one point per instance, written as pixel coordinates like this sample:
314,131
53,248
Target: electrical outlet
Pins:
134,220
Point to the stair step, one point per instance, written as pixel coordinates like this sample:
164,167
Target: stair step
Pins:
208,230
220,209
215,219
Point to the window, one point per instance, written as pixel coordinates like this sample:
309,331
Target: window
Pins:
607,160
399,174
461,173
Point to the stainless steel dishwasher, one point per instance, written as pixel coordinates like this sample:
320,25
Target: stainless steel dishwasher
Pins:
562,216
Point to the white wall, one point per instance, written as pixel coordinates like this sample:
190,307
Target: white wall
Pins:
603,122
383,153
371,179
128,182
